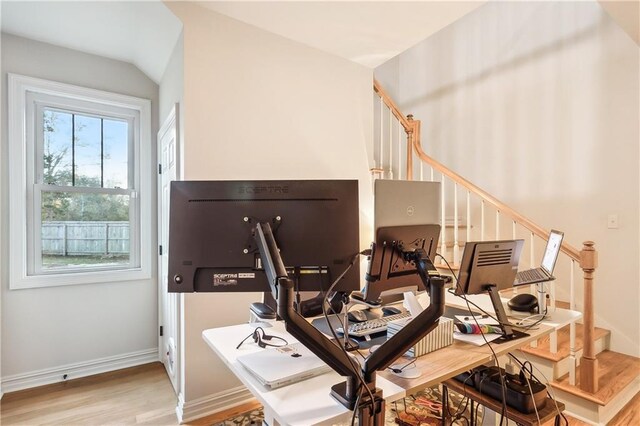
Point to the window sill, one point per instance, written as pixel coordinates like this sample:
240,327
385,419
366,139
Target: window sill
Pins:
79,278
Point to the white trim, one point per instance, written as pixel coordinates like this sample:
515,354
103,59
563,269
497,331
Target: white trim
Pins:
81,369
211,404
19,87
171,121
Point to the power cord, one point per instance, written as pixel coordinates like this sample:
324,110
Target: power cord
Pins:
552,396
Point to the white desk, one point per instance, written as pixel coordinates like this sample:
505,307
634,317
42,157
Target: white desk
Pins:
556,319
304,403
309,402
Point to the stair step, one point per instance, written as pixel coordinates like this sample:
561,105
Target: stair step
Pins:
615,372
629,415
543,348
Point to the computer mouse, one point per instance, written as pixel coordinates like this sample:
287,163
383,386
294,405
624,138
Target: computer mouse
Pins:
357,316
524,303
390,310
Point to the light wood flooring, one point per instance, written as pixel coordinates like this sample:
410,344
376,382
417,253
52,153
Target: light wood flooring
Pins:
138,396
134,396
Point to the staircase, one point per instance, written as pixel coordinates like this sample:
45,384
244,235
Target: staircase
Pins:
597,385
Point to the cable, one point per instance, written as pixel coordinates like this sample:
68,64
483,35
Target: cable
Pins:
495,356
357,372
552,396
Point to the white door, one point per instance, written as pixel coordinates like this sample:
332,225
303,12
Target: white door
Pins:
169,307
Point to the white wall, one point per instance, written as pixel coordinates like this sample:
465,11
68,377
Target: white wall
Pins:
47,328
538,103
259,106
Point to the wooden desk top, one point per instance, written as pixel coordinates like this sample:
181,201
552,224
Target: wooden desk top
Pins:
447,362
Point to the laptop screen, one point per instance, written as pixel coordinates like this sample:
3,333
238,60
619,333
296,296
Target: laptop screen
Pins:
552,250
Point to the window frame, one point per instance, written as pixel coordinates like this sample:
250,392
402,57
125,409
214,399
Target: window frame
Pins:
29,96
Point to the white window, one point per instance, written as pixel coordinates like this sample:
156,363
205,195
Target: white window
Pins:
80,189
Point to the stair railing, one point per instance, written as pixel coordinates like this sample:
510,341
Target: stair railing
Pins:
389,153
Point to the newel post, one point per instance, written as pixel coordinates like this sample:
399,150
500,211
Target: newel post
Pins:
589,362
410,136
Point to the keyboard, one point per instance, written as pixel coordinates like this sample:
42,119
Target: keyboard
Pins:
530,275
372,326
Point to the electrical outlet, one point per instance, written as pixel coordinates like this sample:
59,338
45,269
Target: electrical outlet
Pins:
612,221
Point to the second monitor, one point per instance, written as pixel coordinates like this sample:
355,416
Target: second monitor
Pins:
407,217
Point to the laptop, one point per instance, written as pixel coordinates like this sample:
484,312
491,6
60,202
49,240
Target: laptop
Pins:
402,202
278,367
545,272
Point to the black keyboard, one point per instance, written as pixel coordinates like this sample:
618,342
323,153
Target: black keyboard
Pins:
530,275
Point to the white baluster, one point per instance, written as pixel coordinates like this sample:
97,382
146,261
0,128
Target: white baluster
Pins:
497,224
432,177
468,236
532,239
456,243
513,230
390,144
443,243
382,136
421,171
482,221
400,144
572,328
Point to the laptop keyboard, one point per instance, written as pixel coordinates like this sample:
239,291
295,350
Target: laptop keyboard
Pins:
530,275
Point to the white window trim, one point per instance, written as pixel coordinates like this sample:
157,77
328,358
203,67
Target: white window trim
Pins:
19,87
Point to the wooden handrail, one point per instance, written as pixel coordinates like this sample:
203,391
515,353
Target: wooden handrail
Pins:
571,251
392,106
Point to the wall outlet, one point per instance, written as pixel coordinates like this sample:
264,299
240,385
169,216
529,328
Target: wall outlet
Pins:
612,221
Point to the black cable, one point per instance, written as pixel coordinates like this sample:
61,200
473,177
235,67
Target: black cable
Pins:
495,356
355,368
539,381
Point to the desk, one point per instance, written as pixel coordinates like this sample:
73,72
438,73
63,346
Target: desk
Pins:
309,402
556,319
304,403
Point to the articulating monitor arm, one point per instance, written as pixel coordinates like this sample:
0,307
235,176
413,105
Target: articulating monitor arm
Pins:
416,329
330,353
296,324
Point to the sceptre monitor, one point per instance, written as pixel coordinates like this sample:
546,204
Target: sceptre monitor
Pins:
211,247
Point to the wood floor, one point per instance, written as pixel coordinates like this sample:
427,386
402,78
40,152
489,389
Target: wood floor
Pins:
136,396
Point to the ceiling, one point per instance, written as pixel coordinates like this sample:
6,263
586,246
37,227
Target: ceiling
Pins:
145,32
369,33
142,33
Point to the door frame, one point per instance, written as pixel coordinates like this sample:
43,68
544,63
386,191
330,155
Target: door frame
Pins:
172,120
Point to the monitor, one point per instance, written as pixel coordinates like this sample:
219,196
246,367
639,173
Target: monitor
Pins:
488,267
211,245
488,263
407,217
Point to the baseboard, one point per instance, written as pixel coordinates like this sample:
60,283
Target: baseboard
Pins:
211,404
74,371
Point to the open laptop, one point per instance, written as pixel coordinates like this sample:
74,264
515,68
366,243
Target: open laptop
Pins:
277,367
396,203
545,271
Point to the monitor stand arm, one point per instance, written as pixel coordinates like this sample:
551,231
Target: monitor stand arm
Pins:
508,333
370,414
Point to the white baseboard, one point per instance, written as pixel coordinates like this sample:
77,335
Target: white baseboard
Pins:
77,370
210,404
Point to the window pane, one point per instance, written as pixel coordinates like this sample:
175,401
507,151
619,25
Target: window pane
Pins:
88,151
57,148
116,154
84,230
